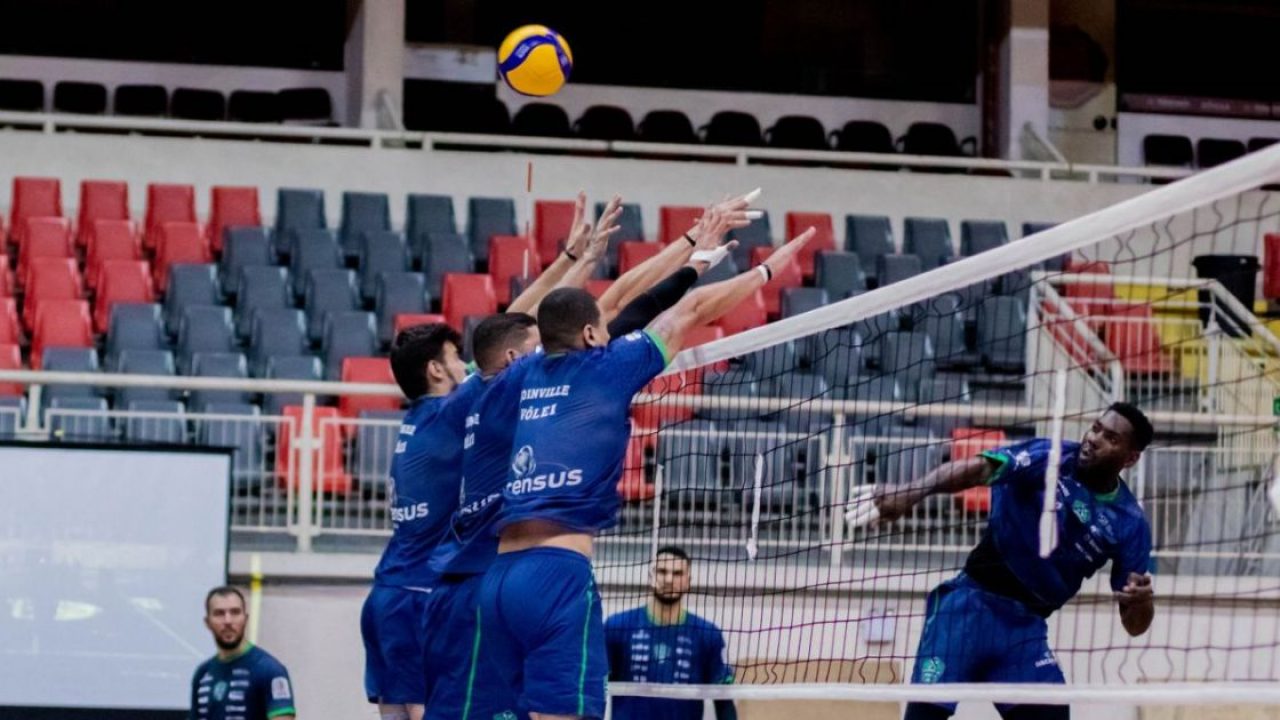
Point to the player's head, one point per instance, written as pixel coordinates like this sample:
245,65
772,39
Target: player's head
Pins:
499,339
225,616
425,360
670,575
570,319
1116,439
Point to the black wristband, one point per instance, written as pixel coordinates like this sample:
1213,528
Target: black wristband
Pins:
692,242
571,256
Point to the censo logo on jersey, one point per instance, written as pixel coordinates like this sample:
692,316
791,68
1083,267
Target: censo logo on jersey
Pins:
523,466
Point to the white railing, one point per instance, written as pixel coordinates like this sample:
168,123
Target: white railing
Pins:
1054,170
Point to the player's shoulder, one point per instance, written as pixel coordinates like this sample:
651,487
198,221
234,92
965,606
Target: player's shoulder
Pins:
627,619
201,670
265,663
701,623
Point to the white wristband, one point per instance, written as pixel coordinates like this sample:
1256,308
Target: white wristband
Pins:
710,257
764,272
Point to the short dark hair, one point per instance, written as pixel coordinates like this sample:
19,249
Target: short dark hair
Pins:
222,591
413,348
498,333
674,551
561,316
1142,430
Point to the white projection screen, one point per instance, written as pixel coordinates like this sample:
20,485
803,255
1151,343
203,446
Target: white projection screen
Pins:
105,558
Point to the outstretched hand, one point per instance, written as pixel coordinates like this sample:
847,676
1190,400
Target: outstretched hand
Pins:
606,227
875,504
579,230
1137,590
787,253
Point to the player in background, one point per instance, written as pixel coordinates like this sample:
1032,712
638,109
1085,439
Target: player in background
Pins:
242,681
540,613
467,686
988,623
661,642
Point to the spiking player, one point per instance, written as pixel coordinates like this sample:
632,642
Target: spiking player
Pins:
468,687
988,623
540,614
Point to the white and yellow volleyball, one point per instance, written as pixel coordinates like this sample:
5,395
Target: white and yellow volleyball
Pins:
535,60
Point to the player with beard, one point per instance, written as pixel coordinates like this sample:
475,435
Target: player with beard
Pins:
662,642
243,681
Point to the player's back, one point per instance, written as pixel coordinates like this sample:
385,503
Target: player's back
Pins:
572,433
423,487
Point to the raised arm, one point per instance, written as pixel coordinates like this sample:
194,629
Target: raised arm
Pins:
894,501
1136,604
595,248
709,302
575,245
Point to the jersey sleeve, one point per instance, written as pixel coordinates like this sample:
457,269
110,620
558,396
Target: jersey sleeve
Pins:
635,359
1133,556
277,690
716,671
1020,463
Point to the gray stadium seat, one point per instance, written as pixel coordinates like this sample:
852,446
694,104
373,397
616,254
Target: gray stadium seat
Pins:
134,327
630,223
840,274
1057,263
894,268
873,330
245,437
735,383
189,285
802,299
445,253
398,293
93,427
428,214
348,334
1002,333
150,429
802,385
298,367
312,249
243,247
487,217
870,236
469,325
724,270
928,239
204,328
909,357
362,212
297,209
943,322
873,388
945,388
278,332
773,361
261,288
66,359
979,236
144,362
374,448
757,234
221,365
328,291
689,453
381,251
750,438
899,463
837,355
12,409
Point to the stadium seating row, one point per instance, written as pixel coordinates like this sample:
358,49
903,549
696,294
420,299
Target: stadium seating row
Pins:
1178,150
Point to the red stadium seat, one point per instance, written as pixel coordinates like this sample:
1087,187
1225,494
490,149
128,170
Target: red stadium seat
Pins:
60,323
49,279
787,276
1131,335
1271,266
634,487
11,359
48,237
33,197
1070,337
111,240
10,329
688,382
100,200
511,256
167,203
367,370
597,288
967,443
631,254
749,313
122,281
552,223
1089,299
467,294
330,474
6,277
179,242
676,221
824,240
232,207
411,319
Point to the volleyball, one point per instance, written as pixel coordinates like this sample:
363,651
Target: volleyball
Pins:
535,60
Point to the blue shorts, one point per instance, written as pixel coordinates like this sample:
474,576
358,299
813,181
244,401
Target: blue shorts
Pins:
462,681
391,625
544,628
973,635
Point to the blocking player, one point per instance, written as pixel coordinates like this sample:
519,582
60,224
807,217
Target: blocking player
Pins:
242,681
468,687
988,623
540,613
661,642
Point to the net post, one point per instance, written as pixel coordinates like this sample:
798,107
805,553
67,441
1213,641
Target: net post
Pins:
305,445
1048,513
836,459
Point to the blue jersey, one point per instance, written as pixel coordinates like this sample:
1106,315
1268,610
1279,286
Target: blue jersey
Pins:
571,437
424,485
642,651
471,544
1093,529
250,686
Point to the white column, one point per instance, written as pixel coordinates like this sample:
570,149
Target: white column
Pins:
1024,66
375,61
